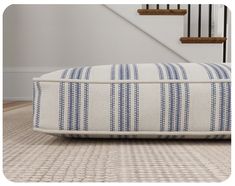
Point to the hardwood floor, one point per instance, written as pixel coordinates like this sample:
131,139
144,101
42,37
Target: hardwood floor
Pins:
10,105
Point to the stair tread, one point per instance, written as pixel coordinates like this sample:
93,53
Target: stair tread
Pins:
203,39
162,11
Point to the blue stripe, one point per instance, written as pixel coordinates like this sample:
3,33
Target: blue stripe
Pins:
121,100
128,99
226,75
74,86
136,99
229,108
61,100
178,99
112,100
124,99
75,103
70,100
163,101
224,72
228,67
34,100
187,98
38,104
213,97
171,96
86,98
228,128
226,97
222,97
175,93
78,99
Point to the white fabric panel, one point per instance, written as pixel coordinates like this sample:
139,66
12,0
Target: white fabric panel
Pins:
182,98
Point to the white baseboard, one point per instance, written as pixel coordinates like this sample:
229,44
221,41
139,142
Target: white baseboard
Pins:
17,99
31,69
18,85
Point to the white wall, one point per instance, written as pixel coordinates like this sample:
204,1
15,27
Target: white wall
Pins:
43,38
39,39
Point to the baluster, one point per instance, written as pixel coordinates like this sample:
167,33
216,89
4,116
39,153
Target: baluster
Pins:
189,15
225,33
199,19
210,20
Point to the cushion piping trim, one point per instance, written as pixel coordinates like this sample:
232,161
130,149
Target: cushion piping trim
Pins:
175,133
131,81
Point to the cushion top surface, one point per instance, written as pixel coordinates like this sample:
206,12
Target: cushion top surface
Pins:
144,72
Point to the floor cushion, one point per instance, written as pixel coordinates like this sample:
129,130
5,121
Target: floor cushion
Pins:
162,100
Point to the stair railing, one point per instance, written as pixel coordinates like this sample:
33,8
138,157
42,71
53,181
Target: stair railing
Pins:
210,38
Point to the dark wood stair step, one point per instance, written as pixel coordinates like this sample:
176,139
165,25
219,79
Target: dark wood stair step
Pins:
199,40
162,11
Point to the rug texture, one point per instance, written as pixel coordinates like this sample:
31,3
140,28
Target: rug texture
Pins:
33,156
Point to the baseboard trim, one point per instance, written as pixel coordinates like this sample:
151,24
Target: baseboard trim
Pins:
32,69
17,99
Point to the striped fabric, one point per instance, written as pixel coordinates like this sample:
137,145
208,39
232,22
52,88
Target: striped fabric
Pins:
186,98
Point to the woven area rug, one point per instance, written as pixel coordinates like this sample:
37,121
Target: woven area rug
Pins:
33,156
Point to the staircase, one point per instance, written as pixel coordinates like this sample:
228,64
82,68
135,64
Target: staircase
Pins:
191,31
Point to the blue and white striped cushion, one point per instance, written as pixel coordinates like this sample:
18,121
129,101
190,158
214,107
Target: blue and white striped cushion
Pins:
137,100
